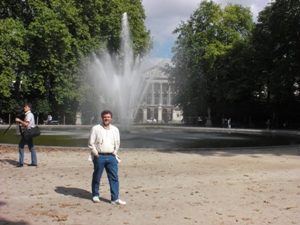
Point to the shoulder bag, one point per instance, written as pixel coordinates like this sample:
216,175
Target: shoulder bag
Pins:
31,133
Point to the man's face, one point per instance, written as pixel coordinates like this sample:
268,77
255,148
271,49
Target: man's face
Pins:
26,108
106,118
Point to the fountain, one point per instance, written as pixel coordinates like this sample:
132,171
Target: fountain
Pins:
118,81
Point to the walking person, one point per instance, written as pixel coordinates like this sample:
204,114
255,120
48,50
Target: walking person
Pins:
28,123
104,142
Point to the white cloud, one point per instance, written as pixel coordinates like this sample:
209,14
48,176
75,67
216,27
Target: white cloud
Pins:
163,16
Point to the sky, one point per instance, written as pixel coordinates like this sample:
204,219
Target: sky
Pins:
163,16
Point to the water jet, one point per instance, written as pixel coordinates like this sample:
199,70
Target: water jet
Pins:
118,81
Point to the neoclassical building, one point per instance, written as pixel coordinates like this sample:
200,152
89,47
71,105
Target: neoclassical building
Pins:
157,104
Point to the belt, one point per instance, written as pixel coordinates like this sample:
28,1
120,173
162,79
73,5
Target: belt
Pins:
105,153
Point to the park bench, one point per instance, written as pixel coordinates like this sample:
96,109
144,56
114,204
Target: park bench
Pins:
53,122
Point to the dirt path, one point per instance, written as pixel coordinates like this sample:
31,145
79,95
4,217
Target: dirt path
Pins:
249,186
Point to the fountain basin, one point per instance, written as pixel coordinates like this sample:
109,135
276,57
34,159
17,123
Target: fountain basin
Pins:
162,137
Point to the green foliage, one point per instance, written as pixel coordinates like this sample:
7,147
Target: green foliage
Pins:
277,45
44,42
140,35
13,57
224,61
41,106
205,59
279,28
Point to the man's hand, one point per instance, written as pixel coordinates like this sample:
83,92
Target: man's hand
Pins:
22,123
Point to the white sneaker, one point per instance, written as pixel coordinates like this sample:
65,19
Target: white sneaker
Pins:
96,199
118,202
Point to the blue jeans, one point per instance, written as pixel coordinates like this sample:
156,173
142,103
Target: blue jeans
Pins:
29,142
110,164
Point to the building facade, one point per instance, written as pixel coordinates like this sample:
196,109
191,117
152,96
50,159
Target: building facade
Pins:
157,105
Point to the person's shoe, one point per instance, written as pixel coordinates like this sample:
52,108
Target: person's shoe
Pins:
19,165
118,202
31,164
96,199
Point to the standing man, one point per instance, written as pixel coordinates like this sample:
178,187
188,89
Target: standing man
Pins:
28,123
104,142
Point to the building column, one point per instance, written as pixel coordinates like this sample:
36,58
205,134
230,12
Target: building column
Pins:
152,94
160,95
159,119
144,115
169,95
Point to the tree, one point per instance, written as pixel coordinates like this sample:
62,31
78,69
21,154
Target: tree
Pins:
13,59
276,42
140,35
46,45
203,48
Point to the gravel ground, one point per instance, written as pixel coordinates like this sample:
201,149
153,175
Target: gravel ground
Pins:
249,186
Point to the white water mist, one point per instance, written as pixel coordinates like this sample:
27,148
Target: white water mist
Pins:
119,82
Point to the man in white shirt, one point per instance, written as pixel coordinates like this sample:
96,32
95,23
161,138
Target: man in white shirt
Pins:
49,119
104,142
28,123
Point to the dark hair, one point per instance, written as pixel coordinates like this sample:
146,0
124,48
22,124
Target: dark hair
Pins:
29,105
104,112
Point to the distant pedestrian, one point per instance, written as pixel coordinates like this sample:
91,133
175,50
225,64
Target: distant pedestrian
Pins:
268,124
229,123
225,123
49,119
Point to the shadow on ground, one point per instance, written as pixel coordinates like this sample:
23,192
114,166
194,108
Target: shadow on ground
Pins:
9,161
71,191
77,192
3,221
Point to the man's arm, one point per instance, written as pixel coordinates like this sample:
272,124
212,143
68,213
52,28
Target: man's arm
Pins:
21,122
117,140
92,142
